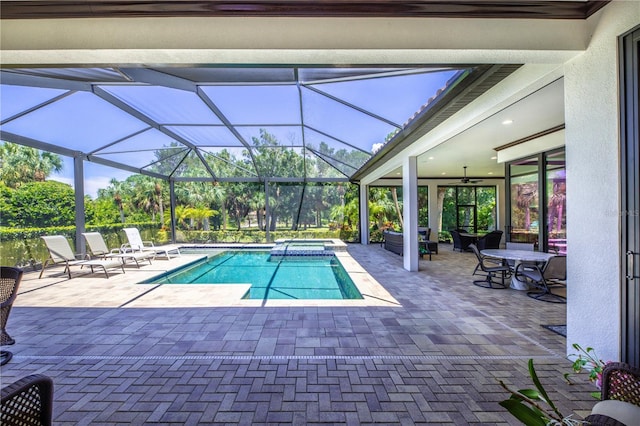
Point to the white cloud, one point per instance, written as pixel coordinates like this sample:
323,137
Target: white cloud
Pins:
376,147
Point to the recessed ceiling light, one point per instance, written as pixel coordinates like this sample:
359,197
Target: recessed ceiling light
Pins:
398,173
443,173
494,158
490,173
431,158
507,122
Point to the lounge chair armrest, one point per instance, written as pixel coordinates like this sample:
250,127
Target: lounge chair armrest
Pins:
148,243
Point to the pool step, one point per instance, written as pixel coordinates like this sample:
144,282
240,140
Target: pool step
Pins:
300,250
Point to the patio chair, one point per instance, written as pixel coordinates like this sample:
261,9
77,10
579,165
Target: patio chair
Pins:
60,253
98,248
490,240
552,274
424,232
460,242
9,282
457,241
518,246
620,397
27,401
490,271
136,244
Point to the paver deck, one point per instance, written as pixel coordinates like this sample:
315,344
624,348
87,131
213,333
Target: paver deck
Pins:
434,356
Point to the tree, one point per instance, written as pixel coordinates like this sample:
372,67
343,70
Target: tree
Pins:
7,212
118,191
104,211
43,204
275,160
21,164
381,206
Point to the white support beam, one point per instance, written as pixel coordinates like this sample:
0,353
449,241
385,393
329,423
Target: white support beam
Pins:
364,214
410,212
434,212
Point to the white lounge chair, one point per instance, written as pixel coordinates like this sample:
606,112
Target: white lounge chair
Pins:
60,252
136,244
98,249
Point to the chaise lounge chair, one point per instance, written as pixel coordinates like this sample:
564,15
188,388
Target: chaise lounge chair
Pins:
136,244
98,249
60,252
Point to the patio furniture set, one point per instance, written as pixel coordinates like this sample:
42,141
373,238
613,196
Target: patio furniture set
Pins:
99,256
536,272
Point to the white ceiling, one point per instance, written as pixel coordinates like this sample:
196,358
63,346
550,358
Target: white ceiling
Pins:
475,147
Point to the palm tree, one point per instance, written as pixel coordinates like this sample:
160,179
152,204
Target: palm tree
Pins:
143,194
118,191
257,203
20,164
158,193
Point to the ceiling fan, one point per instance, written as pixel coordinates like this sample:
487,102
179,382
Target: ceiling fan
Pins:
466,180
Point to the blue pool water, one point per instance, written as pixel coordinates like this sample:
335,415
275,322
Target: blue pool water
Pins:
271,277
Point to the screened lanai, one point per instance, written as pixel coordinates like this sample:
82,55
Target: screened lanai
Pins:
219,123
275,129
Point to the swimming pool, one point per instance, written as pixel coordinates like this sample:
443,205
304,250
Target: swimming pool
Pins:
271,277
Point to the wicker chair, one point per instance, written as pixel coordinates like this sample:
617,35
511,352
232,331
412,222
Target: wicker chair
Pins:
9,282
28,401
460,242
620,403
490,240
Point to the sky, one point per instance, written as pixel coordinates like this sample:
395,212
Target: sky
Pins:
96,176
83,121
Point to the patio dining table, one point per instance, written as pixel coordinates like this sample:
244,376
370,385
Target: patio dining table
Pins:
518,256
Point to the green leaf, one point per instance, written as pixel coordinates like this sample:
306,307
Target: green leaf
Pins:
536,381
523,413
530,393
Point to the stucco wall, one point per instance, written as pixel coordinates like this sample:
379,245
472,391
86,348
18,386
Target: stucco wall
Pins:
592,139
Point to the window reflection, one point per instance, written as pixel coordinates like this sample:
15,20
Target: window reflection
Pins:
556,203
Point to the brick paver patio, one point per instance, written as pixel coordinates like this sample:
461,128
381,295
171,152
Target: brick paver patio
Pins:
434,357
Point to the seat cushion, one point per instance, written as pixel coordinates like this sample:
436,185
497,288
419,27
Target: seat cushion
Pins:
624,412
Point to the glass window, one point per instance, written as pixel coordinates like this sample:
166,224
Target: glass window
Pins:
472,208
556,183
524,201
423,206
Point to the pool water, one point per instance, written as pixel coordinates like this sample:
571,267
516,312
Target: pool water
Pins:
271,277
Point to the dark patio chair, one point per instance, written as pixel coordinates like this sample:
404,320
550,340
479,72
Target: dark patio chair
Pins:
620,398
28,401
552,274
9,282
460,242
490,240
424,232
490,271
